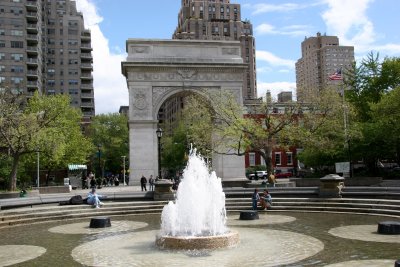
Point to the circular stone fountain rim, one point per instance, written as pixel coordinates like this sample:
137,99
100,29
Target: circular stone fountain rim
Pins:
229,239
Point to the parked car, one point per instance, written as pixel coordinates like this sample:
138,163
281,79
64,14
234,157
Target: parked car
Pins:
260,175
283,175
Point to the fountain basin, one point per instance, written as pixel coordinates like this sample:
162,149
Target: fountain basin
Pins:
198,242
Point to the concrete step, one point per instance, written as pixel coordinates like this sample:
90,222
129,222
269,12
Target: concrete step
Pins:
54,212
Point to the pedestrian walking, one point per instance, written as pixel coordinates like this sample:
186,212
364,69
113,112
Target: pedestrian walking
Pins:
255,199
143,182
151,182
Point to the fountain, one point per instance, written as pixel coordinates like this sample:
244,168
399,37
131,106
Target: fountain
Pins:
197,218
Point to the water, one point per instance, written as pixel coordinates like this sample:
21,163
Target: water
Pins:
199,208
270,241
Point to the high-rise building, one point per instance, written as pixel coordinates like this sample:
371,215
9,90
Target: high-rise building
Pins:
321,57
220,20
44,47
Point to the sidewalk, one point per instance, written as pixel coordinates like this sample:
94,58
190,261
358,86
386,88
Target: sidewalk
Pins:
109,189
111,193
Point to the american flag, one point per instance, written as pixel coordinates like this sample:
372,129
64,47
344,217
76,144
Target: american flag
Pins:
337,75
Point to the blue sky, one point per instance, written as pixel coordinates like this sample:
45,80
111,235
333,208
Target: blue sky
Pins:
279,28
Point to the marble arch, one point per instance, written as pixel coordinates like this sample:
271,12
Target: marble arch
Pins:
158,69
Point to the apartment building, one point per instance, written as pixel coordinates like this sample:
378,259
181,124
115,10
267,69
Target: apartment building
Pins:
321,58
44,47
220,20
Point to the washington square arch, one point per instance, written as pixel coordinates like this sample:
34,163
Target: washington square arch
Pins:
157,70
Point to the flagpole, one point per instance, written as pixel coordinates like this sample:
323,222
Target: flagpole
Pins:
338,75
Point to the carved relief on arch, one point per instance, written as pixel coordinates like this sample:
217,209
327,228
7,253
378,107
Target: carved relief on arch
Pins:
230,51
140,99
187,74
140,49
158,92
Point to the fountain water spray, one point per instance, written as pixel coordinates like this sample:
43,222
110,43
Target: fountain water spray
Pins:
199,208
198,214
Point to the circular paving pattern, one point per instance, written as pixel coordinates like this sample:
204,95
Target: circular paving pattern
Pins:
263,220
363,263
260,246
13,254
83,227
363,233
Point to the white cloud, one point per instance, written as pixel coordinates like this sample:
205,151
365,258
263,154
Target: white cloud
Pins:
348,20
264,69
291,30
274,60
265,8
265,29
110,87
275,88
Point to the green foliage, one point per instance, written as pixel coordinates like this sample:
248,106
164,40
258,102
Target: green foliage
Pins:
110,131
44,123
386,121
370,81
323,133
374,96
218,123
175,149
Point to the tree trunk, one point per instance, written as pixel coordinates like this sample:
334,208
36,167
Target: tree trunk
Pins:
13,174
268,159
398,152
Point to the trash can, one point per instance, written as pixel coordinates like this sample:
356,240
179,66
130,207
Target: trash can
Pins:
66,181
22,193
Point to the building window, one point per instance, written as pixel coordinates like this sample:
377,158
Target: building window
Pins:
2,68
17,80
262,161
2,56
2,79
17,33
2,44
2,32
289,156
73,82
73,91
17,57
17,44
252,159
17,69
278,158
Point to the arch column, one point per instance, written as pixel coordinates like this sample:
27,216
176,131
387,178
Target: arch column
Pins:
143,152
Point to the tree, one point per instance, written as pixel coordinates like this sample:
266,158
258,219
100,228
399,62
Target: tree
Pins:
386,119
110,131
372,84
42,123
218,123
369,81
323,135
175,149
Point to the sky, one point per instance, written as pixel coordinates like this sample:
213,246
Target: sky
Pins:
279,28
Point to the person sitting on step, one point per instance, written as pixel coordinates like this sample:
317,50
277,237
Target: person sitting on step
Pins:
94,199
266,200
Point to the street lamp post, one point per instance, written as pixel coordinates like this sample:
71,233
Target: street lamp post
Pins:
123,173
99,157
38,168
159,135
